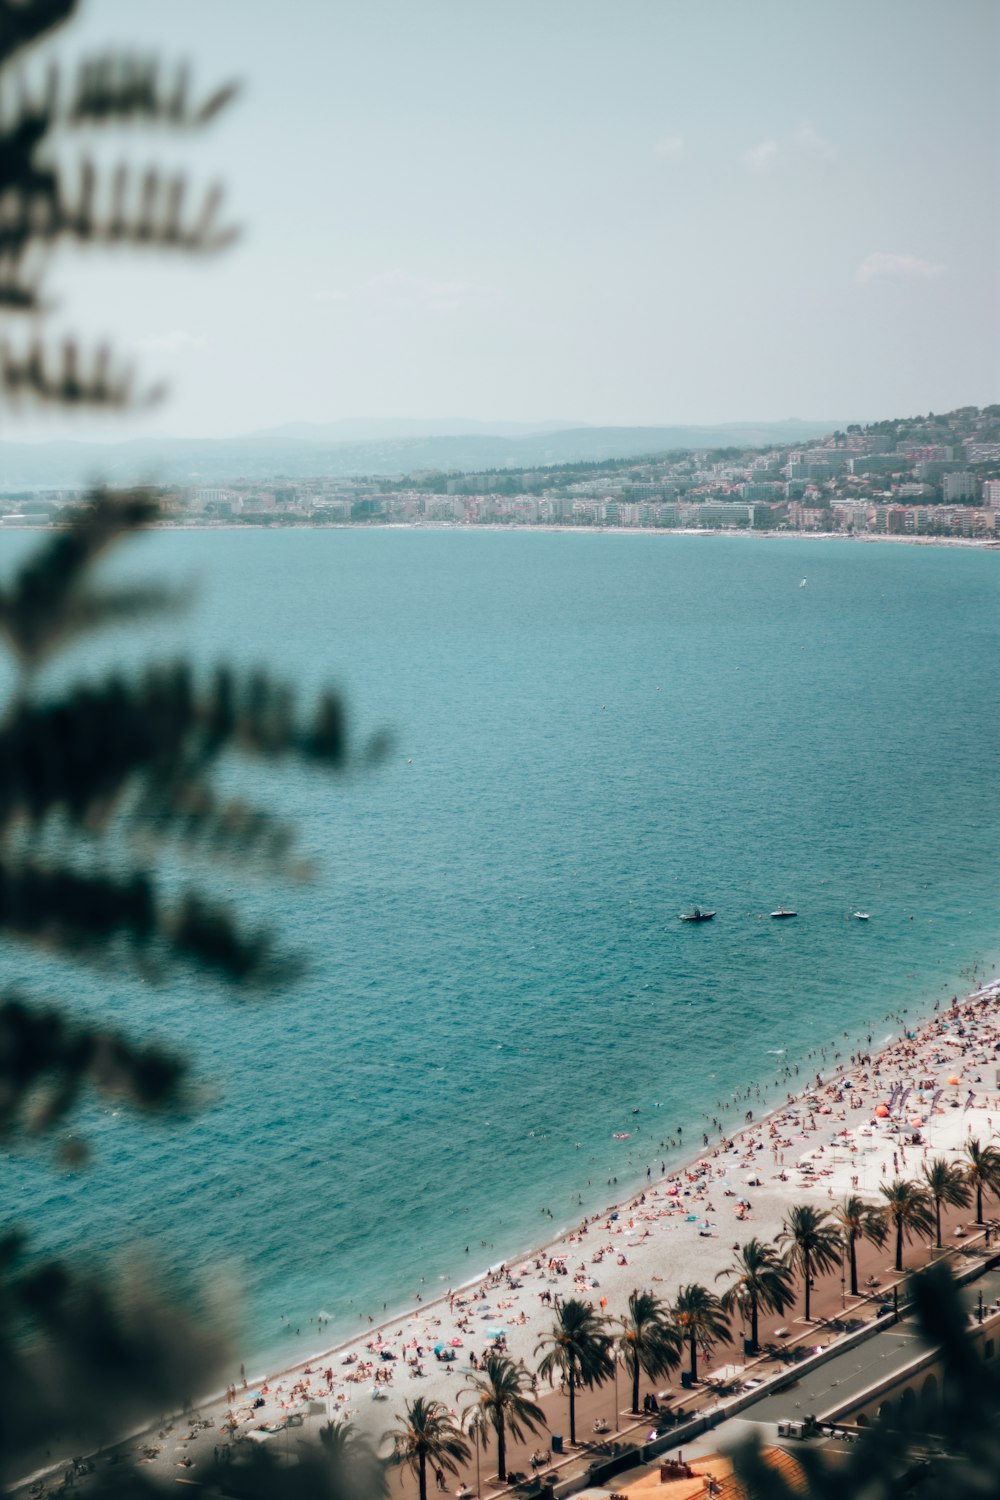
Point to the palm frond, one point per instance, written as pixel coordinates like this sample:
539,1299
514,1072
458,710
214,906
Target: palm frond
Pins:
25,21
63,376
47,1060
101,1352
50,597
81,755
119,87
88,914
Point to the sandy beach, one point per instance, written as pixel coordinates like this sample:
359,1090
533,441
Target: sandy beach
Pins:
880,1116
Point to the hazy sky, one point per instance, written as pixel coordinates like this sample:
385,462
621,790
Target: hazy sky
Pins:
641,211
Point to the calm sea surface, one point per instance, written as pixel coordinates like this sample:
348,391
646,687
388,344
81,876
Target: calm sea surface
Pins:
591,734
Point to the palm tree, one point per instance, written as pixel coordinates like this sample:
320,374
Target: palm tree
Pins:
649,1341
761,1280
908,1209
982,1171
358,1473
428,1433
500,1402
858,1220
701,1319
811,1244
946,1183
578,1348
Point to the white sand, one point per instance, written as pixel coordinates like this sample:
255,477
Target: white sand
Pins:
681,1229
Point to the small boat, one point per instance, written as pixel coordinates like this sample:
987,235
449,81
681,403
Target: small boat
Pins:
860,916
696,915
803,583
783,911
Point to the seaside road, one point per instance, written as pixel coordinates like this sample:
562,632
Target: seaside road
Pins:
827,1387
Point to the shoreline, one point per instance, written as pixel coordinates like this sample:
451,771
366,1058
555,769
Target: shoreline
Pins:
975,544
988,990
785,1092
651,1235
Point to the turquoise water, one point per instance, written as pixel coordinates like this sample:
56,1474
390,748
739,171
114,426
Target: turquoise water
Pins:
591,733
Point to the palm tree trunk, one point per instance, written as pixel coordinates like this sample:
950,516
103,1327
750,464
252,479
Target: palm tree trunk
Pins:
753,1322
979,1202
501,1449
854,1265
422,1474
694,1357
937,1220
899,1244
808,1279
572,1406
635,1385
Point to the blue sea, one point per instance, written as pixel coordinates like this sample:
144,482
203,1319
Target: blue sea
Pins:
590,733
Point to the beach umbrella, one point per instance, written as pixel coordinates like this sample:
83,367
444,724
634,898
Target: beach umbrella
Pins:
952,1079
882,1111
496,1333
439,1348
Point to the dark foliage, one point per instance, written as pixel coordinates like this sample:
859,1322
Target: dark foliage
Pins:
954,1452
52,595
108,794
83,1357
42,204
90,776
47,1059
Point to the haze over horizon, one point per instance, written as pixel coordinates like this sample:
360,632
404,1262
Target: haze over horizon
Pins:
376,429
658,215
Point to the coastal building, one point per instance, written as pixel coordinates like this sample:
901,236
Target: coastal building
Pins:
878,463
762,490
961,486
918,453
712,513
220,501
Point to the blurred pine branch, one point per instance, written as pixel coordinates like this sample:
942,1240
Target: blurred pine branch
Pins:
108,789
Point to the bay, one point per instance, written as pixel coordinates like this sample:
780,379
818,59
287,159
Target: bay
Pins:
590,733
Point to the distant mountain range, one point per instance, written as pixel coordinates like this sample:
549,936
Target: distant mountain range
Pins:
386,429
305,451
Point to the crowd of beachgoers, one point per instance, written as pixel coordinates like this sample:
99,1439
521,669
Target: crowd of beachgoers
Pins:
880,1118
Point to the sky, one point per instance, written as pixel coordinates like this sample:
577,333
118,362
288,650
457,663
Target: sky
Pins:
633,212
